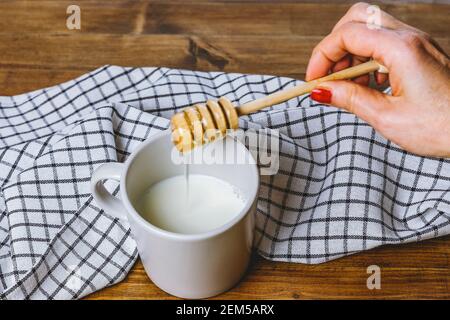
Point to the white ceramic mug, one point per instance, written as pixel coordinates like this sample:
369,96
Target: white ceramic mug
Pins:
185,265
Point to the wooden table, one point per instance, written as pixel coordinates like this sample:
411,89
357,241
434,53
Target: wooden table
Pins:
266,37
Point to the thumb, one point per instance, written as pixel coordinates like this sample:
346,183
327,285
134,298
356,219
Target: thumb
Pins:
364,102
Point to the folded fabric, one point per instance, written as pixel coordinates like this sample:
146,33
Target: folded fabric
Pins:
341,188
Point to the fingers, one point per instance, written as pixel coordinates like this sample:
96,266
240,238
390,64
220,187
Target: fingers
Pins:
342,64
365,79
365,13
354,38
350,61
381,78
366,103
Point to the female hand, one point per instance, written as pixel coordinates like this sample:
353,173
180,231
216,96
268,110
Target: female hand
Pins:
417,115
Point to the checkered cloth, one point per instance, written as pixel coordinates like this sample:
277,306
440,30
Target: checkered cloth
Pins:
341,187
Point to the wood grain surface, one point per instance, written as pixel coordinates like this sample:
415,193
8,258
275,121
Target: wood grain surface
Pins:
265,37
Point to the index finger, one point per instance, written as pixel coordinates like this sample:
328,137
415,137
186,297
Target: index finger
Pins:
357,39
362,12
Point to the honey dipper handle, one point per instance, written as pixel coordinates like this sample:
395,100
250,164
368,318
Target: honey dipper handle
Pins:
306,87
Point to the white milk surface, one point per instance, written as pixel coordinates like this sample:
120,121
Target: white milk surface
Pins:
208,204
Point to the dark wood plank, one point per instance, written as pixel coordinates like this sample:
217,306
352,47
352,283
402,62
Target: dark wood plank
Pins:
112,17
204,18
312,19
31,61
72,52
413,271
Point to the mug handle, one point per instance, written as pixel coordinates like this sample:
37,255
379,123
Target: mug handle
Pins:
112,205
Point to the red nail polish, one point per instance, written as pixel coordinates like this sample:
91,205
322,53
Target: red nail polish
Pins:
321,95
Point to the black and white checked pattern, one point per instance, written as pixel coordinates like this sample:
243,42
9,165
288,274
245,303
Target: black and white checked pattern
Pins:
341,188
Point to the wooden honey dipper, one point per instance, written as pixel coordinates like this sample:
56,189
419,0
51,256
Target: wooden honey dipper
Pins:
203,123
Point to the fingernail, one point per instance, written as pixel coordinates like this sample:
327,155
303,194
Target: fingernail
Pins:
321,95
